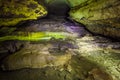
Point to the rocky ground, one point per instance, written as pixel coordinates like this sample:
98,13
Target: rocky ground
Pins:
83,57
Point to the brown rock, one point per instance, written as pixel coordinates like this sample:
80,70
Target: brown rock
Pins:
97,74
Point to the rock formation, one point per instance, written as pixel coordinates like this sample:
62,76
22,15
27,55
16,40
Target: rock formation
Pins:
99,16
15,11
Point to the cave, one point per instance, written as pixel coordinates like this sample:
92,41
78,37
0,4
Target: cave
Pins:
59,40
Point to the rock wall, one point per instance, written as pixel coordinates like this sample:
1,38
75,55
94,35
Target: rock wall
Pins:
15,11
99,16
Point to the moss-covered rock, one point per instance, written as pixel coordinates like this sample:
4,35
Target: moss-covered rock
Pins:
15,11
101,17
76,3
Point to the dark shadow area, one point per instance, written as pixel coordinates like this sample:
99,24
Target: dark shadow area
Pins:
58,8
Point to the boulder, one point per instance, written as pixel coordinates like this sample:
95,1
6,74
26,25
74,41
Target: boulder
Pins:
35,56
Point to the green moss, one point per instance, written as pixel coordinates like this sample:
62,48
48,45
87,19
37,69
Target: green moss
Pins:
99,17
78,2
36,36
89,10
12,12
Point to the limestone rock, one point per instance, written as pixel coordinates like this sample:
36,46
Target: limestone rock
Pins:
100,17
35,56
15,11
104,53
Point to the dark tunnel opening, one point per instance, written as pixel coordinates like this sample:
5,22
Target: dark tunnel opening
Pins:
58,8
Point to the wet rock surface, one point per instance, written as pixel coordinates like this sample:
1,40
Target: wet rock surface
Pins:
85,57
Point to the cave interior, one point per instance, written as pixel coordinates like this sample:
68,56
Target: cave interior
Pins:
59,40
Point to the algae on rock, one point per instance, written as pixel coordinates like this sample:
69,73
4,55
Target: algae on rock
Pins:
100,17
15,11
